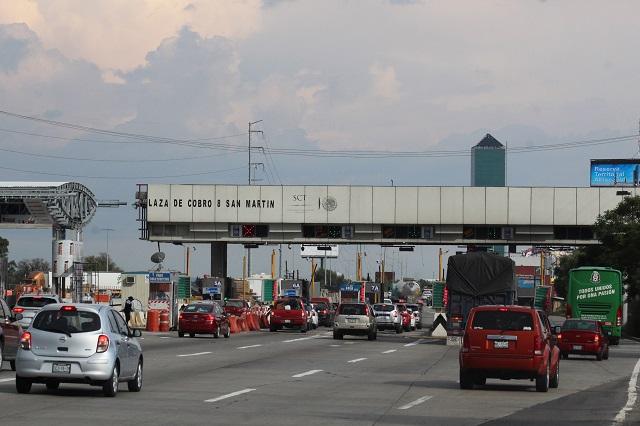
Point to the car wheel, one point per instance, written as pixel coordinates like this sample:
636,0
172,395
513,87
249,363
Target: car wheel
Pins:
216,333
542,381
479,381
303,329
23,385
180,334
337,335
564,355
12,363
466,380
110,387
599,355
192,334
1,354
273,328
398,329
371,335
555,380
51,386
606,353
227,334
135,385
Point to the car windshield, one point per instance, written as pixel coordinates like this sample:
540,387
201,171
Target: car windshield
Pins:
401,308
502,320
235,303
352,309
383,308
67,322
579,325
292,304
200,307
35,301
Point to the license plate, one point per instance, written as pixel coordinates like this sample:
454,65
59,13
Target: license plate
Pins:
577,347
287,321
59,367
352,319
501,344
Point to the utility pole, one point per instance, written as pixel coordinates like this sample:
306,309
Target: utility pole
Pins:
108,230
251,180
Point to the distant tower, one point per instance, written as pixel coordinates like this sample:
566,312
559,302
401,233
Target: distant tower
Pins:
488,163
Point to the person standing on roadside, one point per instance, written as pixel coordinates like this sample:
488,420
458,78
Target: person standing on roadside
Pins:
128,307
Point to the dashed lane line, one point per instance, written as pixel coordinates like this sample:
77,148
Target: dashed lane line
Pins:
389,351
417,342
416,402
229,395
7,380
247,347
353,361
195,354
306,373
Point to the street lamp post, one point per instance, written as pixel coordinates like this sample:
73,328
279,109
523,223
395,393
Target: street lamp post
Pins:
108,230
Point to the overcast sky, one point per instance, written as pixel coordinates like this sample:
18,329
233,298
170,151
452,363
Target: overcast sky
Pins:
330,74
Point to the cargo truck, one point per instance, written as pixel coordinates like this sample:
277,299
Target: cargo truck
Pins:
475,279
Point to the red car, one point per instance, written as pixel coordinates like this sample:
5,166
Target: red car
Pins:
288,312
203,318
236,307
509,342
583,337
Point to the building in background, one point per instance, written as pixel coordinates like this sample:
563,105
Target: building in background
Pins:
488,163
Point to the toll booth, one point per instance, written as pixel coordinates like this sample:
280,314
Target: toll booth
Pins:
372,292
155,290
213,288
291,288
352,292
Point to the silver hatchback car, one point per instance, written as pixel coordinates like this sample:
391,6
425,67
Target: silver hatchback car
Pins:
79,343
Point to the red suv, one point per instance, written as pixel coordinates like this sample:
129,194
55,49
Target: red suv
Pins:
583,337
509,342
288,312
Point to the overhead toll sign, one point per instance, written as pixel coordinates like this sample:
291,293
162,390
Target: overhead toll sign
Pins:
615,173
319,250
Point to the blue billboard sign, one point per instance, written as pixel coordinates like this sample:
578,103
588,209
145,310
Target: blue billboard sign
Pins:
350,287
620,173
159,277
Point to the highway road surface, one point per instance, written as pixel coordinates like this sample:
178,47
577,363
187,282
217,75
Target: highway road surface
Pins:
289,378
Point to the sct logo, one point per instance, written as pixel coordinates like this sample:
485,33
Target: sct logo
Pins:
595,277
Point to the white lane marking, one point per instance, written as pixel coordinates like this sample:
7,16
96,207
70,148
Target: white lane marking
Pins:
389,351
306,373
348,343
632,395
229,395
165,337
416,402
417,342
196,354
353,361
302,338
7,380
247,347
335,346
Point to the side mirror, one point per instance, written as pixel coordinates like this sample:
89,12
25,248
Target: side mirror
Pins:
18,317
557,330
135,333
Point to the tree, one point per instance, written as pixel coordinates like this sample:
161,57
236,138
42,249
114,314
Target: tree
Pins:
4,247
99,264
18,271
334,279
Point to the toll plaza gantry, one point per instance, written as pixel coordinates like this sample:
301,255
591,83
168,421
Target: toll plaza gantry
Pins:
385,215
60,206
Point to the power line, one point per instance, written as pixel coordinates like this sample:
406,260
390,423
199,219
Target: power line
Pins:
122,177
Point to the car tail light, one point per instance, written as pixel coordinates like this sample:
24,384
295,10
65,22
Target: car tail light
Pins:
466,344
25,341
366,310
68,308
596,339
619,316
181,316
538,345
569,313
208,317
559,336
103,343
503,309
18,310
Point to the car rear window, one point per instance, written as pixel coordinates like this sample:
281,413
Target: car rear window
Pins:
235,303
355,309
413,307
67,321
199,308
579,325
321,306
293,304
35,301
383,308
502,320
